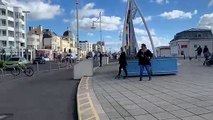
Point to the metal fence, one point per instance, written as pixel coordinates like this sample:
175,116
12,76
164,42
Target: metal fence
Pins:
40,68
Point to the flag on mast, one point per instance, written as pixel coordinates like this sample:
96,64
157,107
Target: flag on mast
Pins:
129,39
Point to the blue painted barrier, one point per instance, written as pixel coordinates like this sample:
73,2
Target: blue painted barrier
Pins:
160,66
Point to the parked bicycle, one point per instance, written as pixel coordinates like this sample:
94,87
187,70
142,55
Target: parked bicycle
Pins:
27,70
16,65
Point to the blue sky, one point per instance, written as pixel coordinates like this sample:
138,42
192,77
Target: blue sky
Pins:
164,18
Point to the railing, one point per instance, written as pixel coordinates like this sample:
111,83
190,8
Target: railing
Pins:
38,68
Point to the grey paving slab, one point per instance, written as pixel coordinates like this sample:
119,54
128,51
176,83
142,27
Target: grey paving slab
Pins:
180,96
207,116
164,115
129,118
193,118
145,117
170,107
198,110
135,112
181,113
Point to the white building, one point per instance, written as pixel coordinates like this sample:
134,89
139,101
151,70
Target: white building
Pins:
186,42
163,51
85,46
99,47
51,40
12,30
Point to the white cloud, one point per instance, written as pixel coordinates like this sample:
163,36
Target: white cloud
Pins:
160,1
142,37
114,45
89,11
178,14
206,21
90,34
39,9
90,14
124,0
210,3
143,32
138,20
158,41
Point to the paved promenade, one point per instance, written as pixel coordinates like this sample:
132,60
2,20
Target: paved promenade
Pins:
185,96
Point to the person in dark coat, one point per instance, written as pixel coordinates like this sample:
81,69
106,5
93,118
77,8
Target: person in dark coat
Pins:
100,56
206,54
123,63
199,51
144,60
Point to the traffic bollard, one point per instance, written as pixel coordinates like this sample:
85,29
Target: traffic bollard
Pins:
58,66
50,66
37,67
2,74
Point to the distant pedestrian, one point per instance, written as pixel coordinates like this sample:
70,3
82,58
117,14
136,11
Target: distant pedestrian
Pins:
100,58
123,63
199,51
144,55
206,54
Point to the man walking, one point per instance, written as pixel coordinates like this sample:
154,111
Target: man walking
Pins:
199,51
123,63
206,54
100,57
144,56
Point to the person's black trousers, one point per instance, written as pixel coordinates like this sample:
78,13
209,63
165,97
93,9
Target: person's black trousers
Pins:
124,68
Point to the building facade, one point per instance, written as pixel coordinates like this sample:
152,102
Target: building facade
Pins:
163,51
99,47
186,42
51,40
69,45
85,47
12,30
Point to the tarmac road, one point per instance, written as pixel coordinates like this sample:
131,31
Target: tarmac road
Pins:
47,96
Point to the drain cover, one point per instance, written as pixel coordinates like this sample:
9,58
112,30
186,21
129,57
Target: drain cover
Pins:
4,116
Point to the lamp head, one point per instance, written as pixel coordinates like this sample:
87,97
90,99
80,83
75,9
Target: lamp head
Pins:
93,25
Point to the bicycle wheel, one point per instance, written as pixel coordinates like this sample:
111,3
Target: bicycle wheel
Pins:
15,71
28,71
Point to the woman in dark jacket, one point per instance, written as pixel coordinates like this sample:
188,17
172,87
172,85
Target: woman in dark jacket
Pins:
144,56
123,63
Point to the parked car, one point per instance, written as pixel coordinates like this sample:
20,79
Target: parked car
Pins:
14,61
40,60
46,59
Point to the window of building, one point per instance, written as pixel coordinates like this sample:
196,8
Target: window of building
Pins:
22,18
10,23
22,45
3,11
11,43
22,26
3,33
4,43
183,46
23,35
10,33
3,22
199,35
10,14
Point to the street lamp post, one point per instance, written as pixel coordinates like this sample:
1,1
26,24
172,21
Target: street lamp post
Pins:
77,36
93,25
26,51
